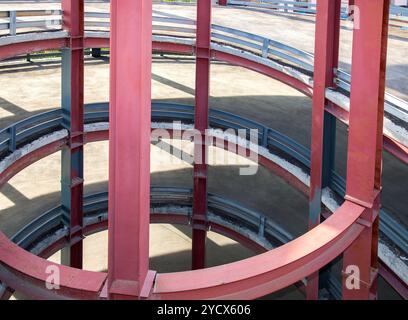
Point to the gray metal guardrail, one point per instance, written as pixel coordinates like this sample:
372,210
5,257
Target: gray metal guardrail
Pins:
34,127
296,63
304,7
164,200
20,21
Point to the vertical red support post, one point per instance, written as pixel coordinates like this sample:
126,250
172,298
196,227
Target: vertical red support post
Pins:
73,121
365,145
129,148
326,60
199,217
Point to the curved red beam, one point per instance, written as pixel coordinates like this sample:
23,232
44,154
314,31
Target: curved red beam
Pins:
29,275
251,278
395,148
155,218
269,272
29,159
263,69
96,136
16,49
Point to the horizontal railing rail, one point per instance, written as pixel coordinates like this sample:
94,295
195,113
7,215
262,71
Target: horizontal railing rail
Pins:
304,7
285,6
262,46
14,135
394,106
22,21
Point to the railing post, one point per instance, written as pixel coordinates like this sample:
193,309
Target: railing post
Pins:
201,119
73,120
364,163
12,139
129,149
13,23
265,48
323,125
96,52
265,137
261,228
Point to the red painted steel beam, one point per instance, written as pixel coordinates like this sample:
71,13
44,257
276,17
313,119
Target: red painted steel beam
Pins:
29,159
251,278
397,149
366,142
171,218
269,272
161,47
16,49
166,47
73,120
326,59
129,153
96,136
263,69
201,119
28,274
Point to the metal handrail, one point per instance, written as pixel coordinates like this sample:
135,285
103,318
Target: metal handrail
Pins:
18,21
286,6
31,128
394,105
306,7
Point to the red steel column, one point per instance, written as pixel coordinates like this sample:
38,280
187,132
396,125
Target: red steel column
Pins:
129,142
326,59
73,114
365,144
203,47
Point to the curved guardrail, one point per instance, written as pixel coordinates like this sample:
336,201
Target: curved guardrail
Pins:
164,200
293,62
227,213
303,7
34,127
15,22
